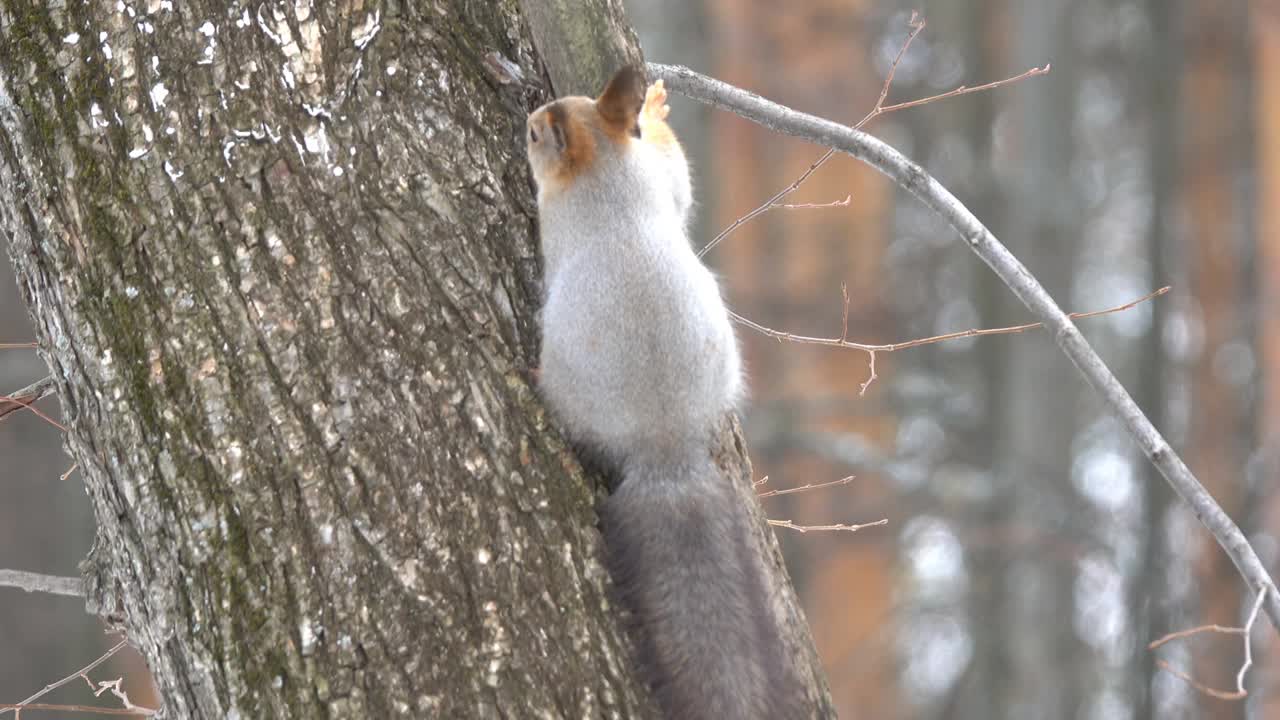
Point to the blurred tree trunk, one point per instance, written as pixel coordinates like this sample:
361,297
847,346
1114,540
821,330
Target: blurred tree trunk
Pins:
1265,28
1037,417
1155,85
1217,152
956,139
283,265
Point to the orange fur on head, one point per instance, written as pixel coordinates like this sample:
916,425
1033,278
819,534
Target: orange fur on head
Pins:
561,140
563,134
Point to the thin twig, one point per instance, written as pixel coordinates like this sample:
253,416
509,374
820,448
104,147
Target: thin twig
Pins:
1239,693
871,350
17,346
83,672
42,415
965,90
826,528
135,710
804,488
892,347
41,583
33,393
813,206
1014,274
1212,692
767,205
917,25
27,398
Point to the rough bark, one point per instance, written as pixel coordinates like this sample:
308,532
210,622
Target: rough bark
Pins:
282,263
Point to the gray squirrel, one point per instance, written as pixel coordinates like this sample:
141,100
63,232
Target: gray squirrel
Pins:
639,362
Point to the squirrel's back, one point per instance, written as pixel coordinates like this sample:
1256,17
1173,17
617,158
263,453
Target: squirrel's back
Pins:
639,362
637,346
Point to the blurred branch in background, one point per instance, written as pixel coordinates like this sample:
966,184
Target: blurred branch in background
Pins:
1240,692
871,350
1011,271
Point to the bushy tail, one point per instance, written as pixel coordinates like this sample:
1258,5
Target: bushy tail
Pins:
680,555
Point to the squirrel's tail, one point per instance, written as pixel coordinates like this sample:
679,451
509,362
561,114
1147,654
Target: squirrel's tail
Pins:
678,548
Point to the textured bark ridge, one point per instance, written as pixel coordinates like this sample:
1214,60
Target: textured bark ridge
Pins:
282,262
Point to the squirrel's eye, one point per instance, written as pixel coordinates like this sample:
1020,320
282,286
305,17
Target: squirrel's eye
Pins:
533,135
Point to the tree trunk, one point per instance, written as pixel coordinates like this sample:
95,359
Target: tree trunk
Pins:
282,262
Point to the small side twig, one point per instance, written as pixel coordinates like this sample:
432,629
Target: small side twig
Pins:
1240,692
917,25
17,709
41,583
965,90
826,528
871,350
805,488
113,685
27,396
814,206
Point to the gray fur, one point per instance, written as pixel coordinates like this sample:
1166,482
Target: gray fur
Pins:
639,362
637,347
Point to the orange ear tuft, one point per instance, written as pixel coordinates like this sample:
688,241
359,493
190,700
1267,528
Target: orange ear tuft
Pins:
619,105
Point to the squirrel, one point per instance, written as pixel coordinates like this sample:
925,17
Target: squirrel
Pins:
639,362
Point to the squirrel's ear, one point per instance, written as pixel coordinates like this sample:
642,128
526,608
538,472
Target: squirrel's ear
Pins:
619,105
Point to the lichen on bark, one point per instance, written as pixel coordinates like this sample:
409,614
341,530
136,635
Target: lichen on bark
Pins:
282,261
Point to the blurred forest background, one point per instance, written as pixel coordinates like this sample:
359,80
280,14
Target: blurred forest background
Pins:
1031,552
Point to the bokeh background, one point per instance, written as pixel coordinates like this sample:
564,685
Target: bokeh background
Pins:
1031,552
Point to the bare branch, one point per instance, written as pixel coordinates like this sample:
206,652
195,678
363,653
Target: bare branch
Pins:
129,709
917,24
37,582
964,90
813,206
984,244
826,528
767,205
77,708
804,488
17,346
842,342
871,350
1239,693
27,396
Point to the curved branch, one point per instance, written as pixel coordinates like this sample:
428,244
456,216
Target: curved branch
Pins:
911,177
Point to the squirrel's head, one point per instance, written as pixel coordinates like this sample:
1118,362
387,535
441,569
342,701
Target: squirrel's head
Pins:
566,136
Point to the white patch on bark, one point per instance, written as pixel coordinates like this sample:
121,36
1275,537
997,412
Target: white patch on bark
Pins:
365,33
159,93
